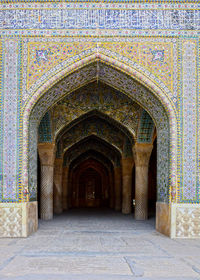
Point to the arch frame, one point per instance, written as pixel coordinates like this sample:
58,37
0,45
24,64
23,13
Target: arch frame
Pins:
150,83
102,116
135,74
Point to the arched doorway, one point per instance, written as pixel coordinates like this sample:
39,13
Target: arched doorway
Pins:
93,147
90,184
89,188
141,94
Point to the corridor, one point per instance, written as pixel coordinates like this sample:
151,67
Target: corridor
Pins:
98,244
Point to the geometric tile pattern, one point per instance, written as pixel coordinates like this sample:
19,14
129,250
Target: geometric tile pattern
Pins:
106,1
45,131
189,190
98,97
91,144
127,148
32,160
156,59
137,52
146,128
9,124
94,126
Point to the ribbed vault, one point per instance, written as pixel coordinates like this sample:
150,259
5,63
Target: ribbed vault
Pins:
92,143
92,154
94,125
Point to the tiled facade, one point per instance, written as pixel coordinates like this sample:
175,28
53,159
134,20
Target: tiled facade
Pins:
144,49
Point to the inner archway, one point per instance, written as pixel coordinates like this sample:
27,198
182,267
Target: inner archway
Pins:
90,184
104,124
156,110
90,188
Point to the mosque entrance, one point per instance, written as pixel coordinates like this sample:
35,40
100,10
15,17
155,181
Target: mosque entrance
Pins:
101,143
103,148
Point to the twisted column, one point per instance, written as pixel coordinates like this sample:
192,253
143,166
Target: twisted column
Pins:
65,186
58,171
142,153
127,166
47,155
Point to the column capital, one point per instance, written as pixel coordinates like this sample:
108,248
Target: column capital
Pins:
47,153
142,153
58,161
127,164
65,168
58,166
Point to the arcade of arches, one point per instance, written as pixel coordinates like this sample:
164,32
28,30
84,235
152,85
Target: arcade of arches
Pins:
97,148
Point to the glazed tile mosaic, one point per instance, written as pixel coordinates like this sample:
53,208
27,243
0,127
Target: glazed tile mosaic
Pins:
94,126
103,99
91,144
105,1
109,18
145,56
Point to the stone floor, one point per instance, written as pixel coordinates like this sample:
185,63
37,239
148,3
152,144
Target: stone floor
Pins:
93,245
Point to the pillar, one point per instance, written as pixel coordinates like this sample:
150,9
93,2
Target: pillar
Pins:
47,155
70,189
127,166
58,172
65,185
142,153
118,187
112,191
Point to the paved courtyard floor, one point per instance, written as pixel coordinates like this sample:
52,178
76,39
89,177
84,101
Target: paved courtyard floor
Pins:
98,245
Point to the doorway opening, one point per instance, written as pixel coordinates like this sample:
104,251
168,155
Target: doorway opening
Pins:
110,117
96,163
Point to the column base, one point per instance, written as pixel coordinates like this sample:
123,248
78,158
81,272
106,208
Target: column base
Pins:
185,220
18,219
178,220
46,216
163,222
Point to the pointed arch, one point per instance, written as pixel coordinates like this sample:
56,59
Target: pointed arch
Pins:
129,80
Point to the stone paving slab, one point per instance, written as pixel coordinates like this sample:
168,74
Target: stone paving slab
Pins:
91,277
63,265
106,246
162,267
